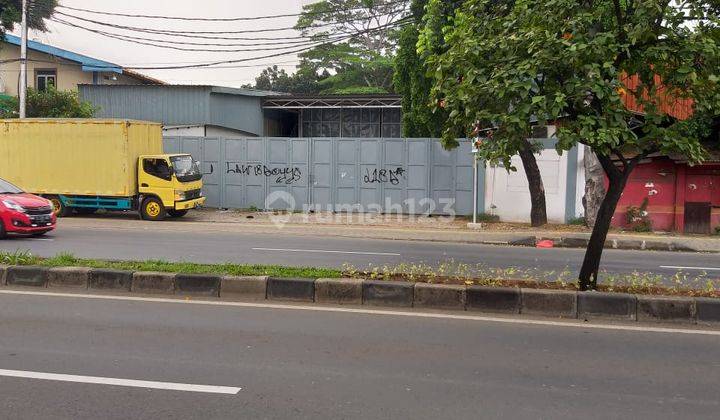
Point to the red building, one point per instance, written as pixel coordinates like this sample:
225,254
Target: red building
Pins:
681,198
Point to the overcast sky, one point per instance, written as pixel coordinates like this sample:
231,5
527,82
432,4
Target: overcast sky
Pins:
129,54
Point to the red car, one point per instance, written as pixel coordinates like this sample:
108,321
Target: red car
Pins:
24,213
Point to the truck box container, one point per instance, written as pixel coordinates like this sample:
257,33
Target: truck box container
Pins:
93,157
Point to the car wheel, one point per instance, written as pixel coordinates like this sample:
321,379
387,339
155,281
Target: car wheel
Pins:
152,209
3,233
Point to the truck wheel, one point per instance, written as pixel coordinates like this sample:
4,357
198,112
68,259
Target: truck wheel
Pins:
60,209
152,209
177,213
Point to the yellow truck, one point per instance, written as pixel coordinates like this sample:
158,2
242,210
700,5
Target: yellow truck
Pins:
82,165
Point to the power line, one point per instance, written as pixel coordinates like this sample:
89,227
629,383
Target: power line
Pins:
232,19
169,41
153,41
214,64
246,31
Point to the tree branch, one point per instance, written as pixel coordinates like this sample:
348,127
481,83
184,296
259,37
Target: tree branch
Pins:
620,157
618,15
608,166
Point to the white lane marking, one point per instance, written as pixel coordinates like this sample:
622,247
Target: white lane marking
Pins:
171,386
521,321
678,267
326,251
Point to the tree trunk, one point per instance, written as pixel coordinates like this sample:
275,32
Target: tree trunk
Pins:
587,280
538,211
594,186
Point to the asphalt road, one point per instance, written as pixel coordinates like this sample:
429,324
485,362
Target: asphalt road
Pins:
308,364
177,241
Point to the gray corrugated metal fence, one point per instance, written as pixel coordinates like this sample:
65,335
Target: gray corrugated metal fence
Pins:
335,174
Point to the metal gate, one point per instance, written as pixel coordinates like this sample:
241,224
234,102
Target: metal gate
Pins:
333,174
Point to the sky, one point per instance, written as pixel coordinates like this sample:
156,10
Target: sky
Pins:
130,54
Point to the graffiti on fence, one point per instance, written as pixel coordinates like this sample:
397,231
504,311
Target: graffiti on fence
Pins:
382,176
283,175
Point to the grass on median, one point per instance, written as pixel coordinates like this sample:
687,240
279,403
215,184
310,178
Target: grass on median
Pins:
448,272
67,259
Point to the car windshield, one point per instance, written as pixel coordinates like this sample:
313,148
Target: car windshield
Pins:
8,188
186,169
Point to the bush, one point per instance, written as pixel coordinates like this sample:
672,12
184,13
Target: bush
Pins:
717,230
637,218
579,221
50,103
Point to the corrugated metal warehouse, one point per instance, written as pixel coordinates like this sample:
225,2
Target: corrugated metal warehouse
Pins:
183,110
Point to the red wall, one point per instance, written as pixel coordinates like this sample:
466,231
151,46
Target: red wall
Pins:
655,180
668,185
703,185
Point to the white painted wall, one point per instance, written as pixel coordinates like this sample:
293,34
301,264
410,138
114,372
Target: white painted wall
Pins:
507,194
203,131
580,184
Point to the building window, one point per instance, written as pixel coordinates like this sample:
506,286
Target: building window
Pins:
45,78
352,122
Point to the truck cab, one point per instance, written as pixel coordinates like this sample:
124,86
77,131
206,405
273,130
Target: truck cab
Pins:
168,185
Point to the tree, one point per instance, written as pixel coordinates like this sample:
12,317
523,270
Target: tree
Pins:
38,10
594,186
476,105
304,81
356,40
411,80
50,103
582,63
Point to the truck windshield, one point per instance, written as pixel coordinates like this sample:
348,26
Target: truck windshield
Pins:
8,188
186,169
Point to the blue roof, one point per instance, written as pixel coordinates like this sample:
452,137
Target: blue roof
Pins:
88,63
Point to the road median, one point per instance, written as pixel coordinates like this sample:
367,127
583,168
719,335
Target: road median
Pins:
213,281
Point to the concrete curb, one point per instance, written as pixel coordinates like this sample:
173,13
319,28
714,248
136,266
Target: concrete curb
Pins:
666,309
153,282
339,291
542,302
493,299
556,303
388,293
708,310
626,244
69,277
440,296
243,287
606,305
197,285
298,289
109,280
28,275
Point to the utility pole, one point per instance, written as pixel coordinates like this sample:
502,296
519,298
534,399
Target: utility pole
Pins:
23,59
